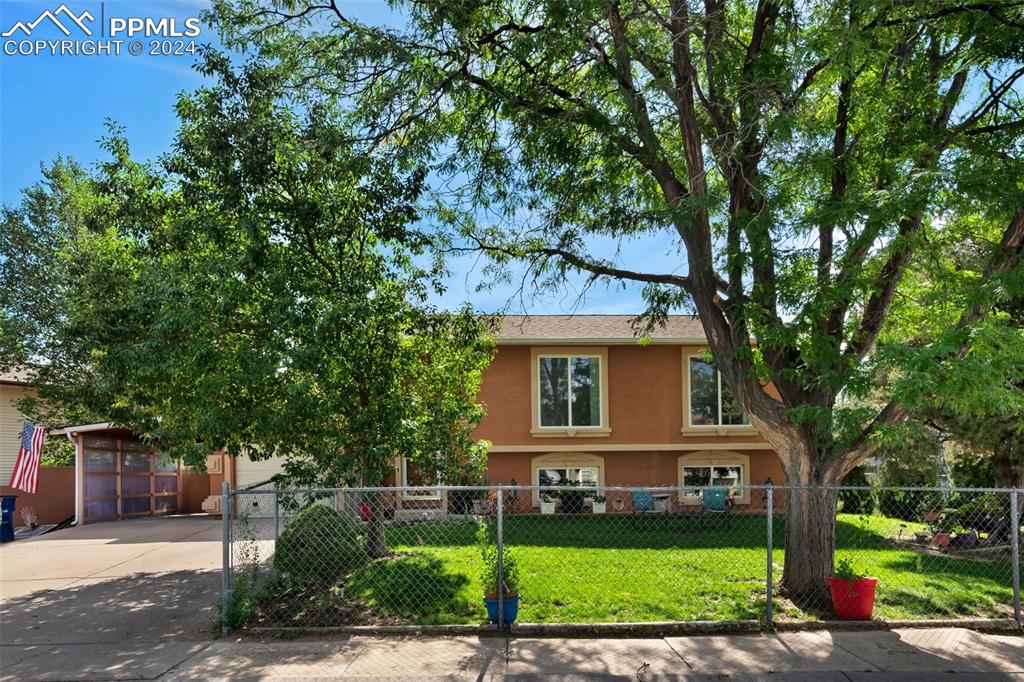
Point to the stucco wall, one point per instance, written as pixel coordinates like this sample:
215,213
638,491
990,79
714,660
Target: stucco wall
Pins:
630,468
645,400
54,500
10,427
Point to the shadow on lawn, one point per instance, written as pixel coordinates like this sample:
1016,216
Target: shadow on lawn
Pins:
414,586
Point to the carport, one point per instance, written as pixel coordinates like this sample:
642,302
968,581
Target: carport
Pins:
118,476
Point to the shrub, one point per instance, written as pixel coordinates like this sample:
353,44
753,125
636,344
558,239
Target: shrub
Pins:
319,545
236,611
857,501
908,505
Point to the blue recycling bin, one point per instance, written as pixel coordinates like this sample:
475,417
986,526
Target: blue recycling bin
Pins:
7,517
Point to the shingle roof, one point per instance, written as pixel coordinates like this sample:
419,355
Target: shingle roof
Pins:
528,328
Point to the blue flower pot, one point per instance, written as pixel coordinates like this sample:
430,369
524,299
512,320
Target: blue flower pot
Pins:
510,607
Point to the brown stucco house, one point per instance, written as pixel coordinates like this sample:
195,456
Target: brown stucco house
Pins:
580,399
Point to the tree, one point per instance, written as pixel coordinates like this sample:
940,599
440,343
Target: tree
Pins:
259,291
802,155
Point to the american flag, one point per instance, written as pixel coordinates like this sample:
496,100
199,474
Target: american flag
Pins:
26,469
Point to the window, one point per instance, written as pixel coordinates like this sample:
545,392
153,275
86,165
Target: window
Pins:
412,475
727,469
582,476
566,468
569,391
711,402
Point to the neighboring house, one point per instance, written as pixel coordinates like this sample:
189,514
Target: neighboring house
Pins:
579,399
13,387
54,499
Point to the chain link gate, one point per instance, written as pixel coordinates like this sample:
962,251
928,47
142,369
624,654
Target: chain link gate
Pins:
408,558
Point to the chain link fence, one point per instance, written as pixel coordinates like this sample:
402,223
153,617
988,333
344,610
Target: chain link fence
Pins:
450,555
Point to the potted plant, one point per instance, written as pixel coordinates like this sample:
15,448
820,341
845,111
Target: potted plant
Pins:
599,504
572,500
489,578
965,539
853,595
547,504
944,528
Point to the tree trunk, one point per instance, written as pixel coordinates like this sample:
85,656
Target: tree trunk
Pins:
810,535
376,541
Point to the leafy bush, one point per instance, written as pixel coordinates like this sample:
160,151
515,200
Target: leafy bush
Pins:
240,605
319,545
857,501
908,505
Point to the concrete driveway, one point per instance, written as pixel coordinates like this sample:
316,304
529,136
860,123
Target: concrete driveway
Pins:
119,599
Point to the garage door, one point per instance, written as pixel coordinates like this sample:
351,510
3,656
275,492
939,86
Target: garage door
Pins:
249,473
125,478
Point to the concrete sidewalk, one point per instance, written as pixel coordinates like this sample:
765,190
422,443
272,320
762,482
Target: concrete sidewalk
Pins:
821,655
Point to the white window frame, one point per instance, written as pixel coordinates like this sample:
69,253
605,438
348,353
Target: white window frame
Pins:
541,357
565,460
712,459
745,424
563,467
414,495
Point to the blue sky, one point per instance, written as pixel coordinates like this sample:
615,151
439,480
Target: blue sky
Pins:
57,105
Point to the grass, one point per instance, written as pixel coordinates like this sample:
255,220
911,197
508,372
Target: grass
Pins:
623,568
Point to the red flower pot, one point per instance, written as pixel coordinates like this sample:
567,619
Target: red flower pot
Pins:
853,599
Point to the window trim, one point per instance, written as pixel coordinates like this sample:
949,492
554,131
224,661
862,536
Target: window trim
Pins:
721,429
714,458
564,460
539,431
403,472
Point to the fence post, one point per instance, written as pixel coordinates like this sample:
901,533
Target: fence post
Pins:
225,514
768,587
501,558
1015,552
277,514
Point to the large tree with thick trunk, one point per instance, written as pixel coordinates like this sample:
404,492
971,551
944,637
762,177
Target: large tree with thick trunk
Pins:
800,158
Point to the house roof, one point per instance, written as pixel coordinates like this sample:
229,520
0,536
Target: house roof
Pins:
81,428
611,329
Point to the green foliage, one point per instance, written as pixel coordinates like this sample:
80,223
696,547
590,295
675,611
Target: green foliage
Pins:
319,546
262,288
857,501
487,542
845,570
58,452
241,604
908,505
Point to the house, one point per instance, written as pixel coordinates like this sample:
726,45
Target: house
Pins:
53,501
579,399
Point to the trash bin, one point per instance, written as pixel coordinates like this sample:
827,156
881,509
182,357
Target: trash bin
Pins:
7,517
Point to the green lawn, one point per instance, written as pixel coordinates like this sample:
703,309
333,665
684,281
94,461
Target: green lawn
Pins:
622,568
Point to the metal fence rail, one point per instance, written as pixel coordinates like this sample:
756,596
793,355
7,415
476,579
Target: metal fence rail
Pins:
450,555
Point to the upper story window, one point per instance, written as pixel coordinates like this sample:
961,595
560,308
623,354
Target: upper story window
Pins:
569,390
711,402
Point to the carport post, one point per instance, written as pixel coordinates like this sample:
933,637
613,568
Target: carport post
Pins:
769,513
1015,552
225,587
